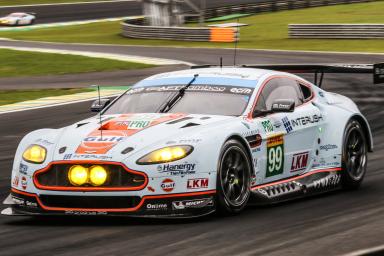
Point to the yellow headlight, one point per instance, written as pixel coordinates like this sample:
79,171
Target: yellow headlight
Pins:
167,154
35,154
98,175
78,175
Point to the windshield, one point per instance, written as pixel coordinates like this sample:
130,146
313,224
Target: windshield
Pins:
198,99
16,15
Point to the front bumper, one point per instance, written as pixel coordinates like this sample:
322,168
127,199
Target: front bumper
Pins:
184,205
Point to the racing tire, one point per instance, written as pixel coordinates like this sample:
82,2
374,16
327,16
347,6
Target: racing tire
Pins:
233,178
354,156
32,22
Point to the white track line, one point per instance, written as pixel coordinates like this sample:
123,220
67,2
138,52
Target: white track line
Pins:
366,251
73,3
121,57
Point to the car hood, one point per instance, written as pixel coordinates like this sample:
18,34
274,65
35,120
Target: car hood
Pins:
89,139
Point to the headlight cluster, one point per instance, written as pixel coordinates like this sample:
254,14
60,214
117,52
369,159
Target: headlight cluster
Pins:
95,175
35,154
167,154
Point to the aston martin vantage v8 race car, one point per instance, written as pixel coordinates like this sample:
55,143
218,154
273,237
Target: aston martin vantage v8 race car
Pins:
190,142
18,19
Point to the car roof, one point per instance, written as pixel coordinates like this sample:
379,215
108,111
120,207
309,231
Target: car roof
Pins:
230,76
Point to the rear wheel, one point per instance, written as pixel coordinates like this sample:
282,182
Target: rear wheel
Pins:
354,155
233,178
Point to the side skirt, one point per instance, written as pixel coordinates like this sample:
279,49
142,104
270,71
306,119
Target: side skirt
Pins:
311,183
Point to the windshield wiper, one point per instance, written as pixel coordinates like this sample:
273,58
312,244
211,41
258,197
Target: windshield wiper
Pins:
177,96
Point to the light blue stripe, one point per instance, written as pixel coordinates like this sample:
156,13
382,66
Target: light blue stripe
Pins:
199,80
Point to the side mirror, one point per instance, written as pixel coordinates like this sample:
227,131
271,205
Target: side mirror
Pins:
99,105
283,105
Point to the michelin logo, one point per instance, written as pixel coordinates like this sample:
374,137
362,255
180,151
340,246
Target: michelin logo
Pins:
177,169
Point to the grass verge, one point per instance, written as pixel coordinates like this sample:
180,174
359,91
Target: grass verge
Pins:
266,31
32,2
24,63
13,96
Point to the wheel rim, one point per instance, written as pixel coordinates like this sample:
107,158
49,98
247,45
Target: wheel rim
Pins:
234,176
356,154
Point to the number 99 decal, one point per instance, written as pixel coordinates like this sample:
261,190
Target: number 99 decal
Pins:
275,156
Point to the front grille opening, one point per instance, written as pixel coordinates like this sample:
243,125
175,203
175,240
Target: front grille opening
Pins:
90,202
57,176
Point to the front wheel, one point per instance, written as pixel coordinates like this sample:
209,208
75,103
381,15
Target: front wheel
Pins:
354,155
233,178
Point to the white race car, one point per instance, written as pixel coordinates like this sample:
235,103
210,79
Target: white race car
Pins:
190,142
18,19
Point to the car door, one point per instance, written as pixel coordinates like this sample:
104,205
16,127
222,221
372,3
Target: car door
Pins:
288,137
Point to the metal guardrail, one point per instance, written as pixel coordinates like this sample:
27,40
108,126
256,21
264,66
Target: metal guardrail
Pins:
137,29
133,29
273,5
337,31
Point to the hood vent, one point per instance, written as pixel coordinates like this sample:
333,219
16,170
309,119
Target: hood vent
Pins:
189,125
81,124
180,120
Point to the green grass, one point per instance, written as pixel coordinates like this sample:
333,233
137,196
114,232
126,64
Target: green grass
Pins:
23,63
13,96
30,2
266,31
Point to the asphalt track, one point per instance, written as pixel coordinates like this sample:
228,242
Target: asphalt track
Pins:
332,224
87,11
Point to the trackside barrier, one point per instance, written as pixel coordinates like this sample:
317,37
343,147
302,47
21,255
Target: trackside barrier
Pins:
337,31
132,29
135,28
270,6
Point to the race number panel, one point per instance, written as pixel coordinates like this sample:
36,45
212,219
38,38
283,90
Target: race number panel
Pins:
275,156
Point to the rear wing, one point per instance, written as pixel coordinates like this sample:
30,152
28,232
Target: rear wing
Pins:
377,70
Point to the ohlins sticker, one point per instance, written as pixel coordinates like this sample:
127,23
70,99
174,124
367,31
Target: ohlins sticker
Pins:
104,138
275,155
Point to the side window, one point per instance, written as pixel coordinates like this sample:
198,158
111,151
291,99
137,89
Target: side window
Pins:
307,93
279,88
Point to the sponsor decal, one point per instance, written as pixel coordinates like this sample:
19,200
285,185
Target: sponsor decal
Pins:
287,124
254,142
23,169
299,161
24,182
328,147
168,185
241,90
44,142
18,200
197,183
190,141
253,180
103,139
159,206
151,189
92,213
117,129
275,155
321,94
305,120
277,124
15,181
177,169
267,125
196,203
86,157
